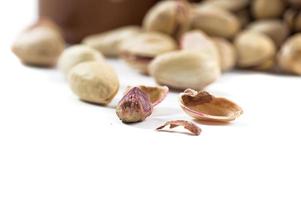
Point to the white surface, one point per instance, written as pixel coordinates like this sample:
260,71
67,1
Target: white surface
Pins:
53,146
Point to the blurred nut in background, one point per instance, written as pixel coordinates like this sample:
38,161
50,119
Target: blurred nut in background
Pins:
255,50
215,21
169,17
289,58
75,55
39,45
230,5
227,54
94,82
293,18
184,69
139,51
268,8
108,43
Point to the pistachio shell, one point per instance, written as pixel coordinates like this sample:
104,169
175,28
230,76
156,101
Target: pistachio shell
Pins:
255,50
108,43
289,58
215,21
267,8
293,18
203,106
184,69
230,5
169,17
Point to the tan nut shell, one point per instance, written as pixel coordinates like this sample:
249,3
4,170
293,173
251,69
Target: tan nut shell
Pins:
227,54
40,44
230,5
289,58
169,17
275,29
215,21
94,82
254,50
184,69
267,8
108,43
77,54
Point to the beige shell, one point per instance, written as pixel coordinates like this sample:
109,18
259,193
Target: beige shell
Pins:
289,58
267,8
39,45
230,5
108,43
227,54
255,50
215,21
139,51
169,17
204,106
275,29
77,54
184,69
94,82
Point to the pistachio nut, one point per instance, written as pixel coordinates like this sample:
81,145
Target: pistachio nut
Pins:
255,50
293,18
267,8
289,59
94,82
138,52
184,69
227,54
275,29
41,44
215,21
77,54
169,17
108,43
230,5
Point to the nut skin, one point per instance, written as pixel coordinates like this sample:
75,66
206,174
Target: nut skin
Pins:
184,69
277,30
255,50
215,21
94,82
108,43
168,17
40,45
138,52
289,59
76,54
263,9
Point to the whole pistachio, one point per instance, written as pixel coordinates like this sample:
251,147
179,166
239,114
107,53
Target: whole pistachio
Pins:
135,106
108,43
169,17
289,58
275,29
138,52
184,69
94,82
215,21
255,50
41,44
267,8
77,54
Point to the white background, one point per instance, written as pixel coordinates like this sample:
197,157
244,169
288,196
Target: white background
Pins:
52,146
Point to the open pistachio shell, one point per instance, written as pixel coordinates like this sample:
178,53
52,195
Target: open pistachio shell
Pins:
203,106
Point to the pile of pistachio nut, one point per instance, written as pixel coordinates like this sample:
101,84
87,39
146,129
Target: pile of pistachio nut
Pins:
182,45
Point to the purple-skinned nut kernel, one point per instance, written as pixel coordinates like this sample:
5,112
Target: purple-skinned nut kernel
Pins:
135,106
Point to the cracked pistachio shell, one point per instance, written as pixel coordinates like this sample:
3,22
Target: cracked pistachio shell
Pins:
227,54
215,21
139,51
94,82
204,106
184,69
230,5
267,8
289,58
169,17
275,29
39,45
108,43
255,50
77,54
